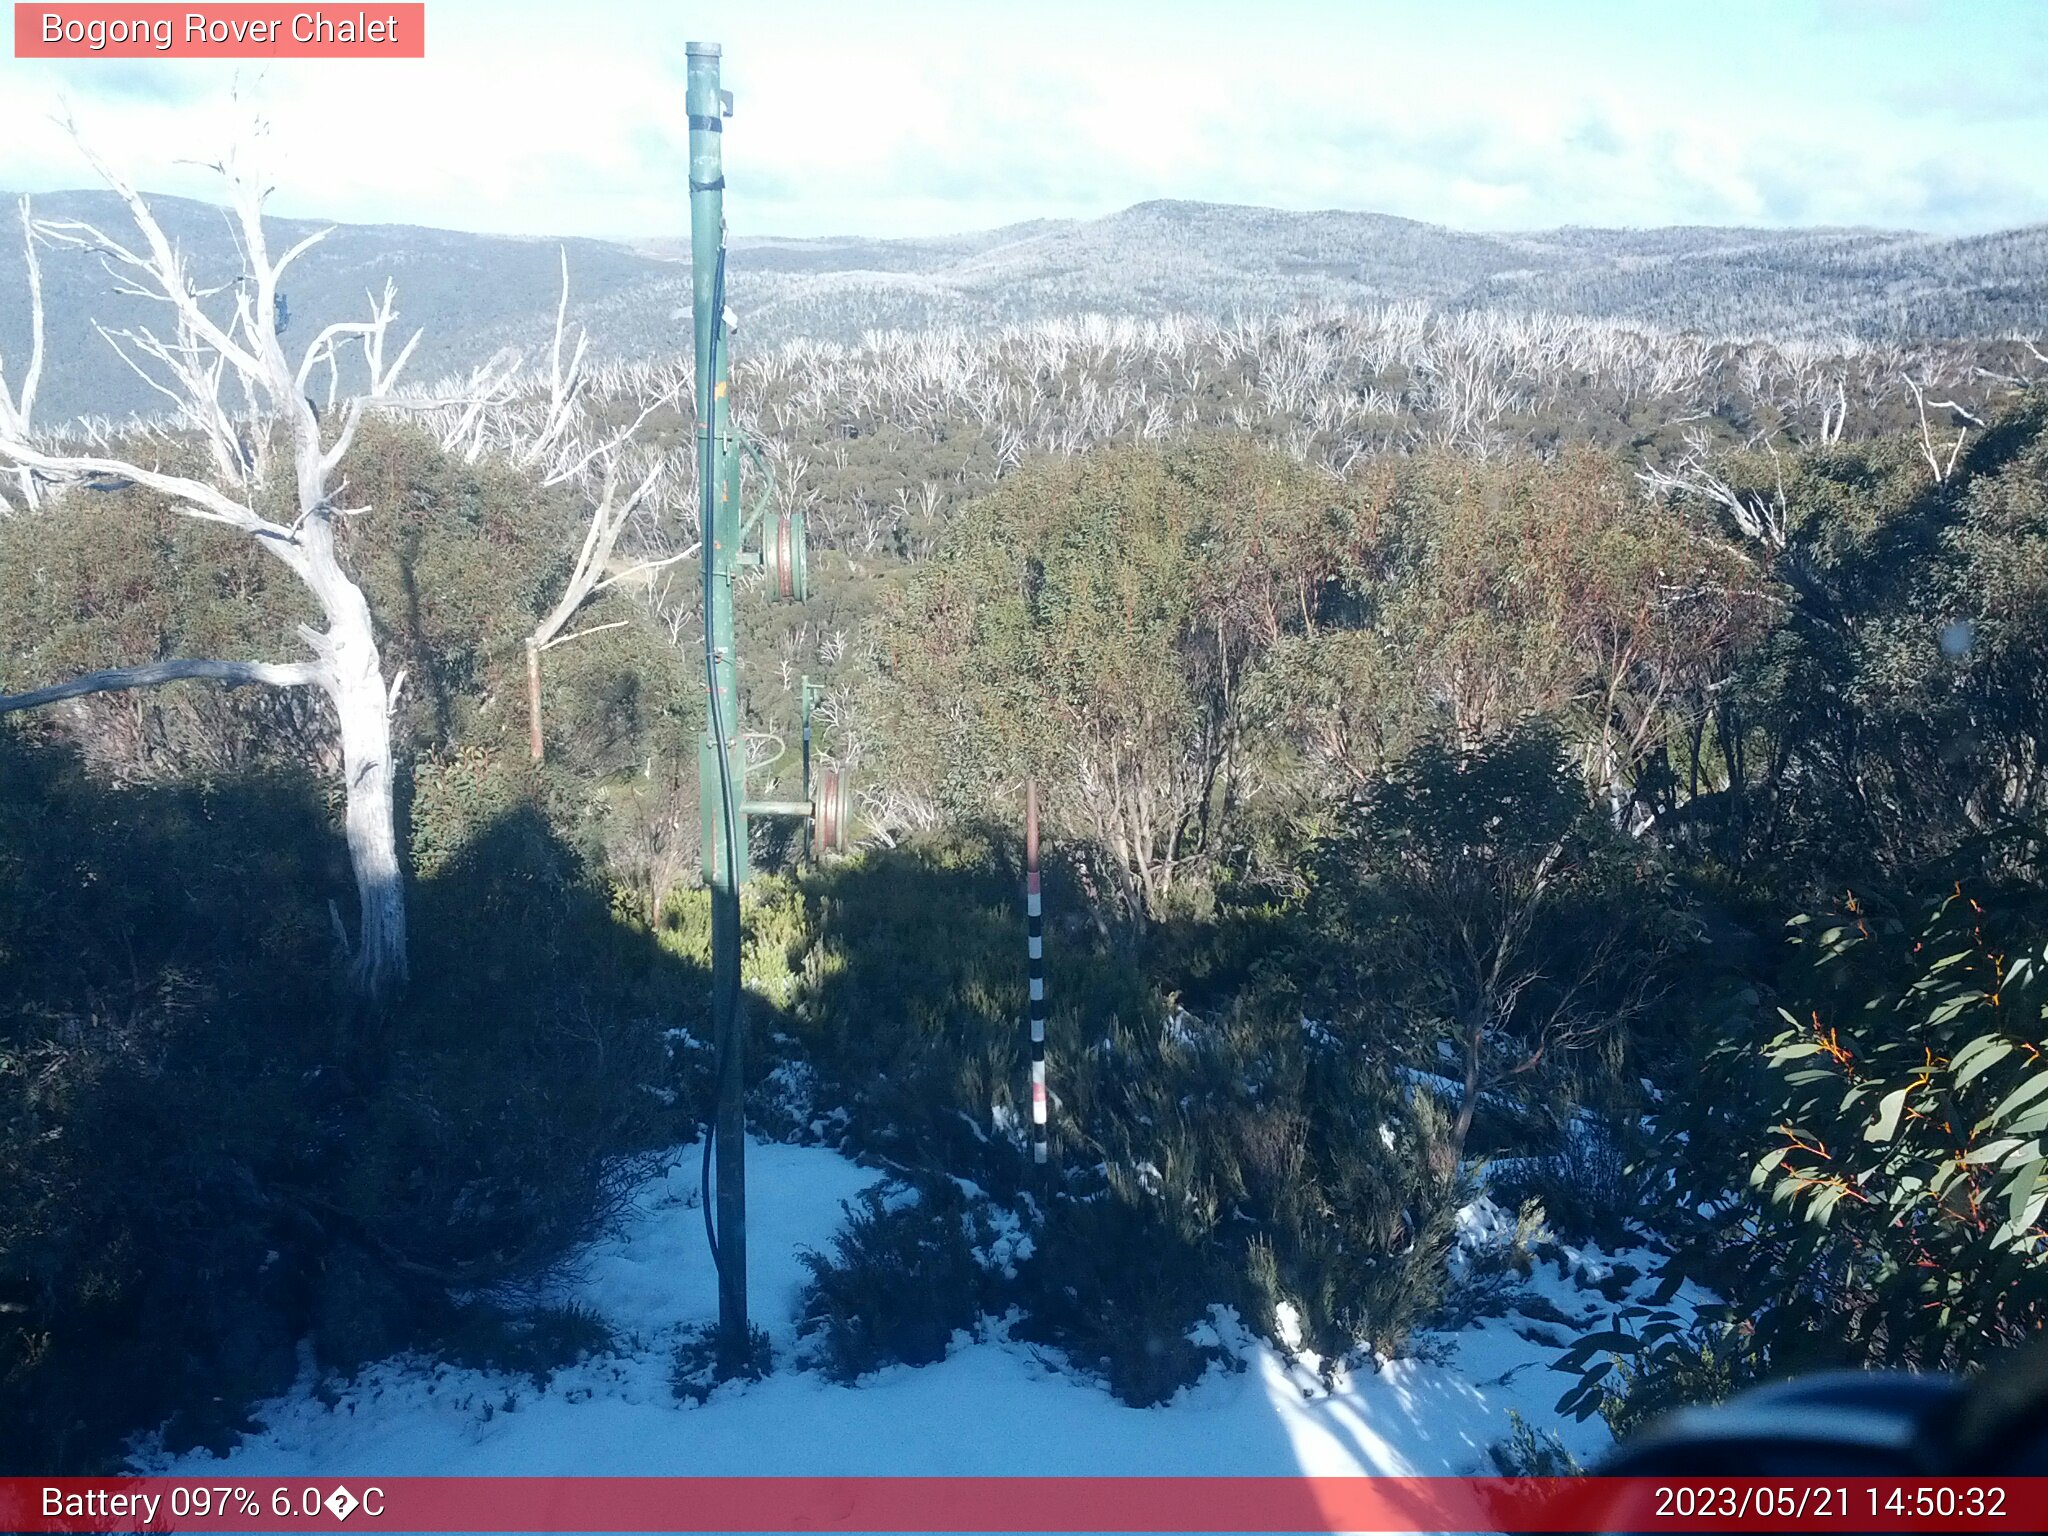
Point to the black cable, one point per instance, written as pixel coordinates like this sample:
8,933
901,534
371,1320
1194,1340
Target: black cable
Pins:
707,478
704,1195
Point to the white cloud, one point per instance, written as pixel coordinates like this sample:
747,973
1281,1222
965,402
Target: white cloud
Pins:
921,117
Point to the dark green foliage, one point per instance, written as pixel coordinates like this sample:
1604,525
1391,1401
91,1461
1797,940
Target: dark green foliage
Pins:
204,1162
516,1064
1529,1452
701,1366
923,1041
900,1281
1480,821
1909,1139
1488,924
157,1029
535,1341
1649,1361
1217,1133
1285,1163
1888,731
1117,1283
1889,1120
1588,1189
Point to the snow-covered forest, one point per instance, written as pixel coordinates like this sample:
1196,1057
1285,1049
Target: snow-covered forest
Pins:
1157,261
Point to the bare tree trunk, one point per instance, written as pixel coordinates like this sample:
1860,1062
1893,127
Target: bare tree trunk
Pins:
1461,1128
350,672
15,412
205,356
363,707
561,448
379,965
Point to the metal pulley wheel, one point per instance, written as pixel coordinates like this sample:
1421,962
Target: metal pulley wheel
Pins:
832,811
785,558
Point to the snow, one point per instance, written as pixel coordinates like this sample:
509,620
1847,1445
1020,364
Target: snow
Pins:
993,1406
1287,1326
1009,1245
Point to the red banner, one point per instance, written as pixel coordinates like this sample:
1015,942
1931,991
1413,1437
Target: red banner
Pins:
979,1504
377,31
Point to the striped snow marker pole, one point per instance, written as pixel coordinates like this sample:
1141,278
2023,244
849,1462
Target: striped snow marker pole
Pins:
1034,917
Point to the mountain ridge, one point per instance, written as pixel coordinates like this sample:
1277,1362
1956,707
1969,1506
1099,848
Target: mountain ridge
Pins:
475,293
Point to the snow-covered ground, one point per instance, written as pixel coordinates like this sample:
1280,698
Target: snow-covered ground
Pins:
993,1406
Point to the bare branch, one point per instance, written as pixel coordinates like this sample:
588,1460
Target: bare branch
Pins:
382,379
200,357
1942,468
646,567
1765,518
610,445
607,522
236,674
300,249
163,266
595,629
16,410
199,499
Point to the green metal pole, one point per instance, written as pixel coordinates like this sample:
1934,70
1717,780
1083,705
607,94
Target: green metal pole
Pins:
810,850
721,785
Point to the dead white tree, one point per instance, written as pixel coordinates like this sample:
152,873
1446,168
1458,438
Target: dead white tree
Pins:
1762,516
16,409
1942,463
560,445
2016,380
192,365
592,575
543,424
465,407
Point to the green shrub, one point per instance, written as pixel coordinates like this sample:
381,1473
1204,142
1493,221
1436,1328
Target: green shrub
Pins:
162,1040
924,1043
1117,1284
1909,1171
1652,1360
701,1366
1588,1189
1122,597
1529,1453
206,1161
535,1341
1308,1141
900,1281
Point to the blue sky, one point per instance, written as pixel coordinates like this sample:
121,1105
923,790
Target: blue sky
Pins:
894,117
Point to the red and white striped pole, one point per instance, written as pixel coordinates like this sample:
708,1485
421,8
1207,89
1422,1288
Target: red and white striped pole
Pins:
1034,921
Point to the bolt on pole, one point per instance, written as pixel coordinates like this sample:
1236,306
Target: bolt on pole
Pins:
721,768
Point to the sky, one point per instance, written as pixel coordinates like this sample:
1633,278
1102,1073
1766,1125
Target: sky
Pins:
910,117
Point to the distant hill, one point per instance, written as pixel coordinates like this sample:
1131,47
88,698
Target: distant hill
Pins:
474,294
1212,258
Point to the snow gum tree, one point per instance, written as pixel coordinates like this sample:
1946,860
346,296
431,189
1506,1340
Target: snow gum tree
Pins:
1489,918
207,363
1102,622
